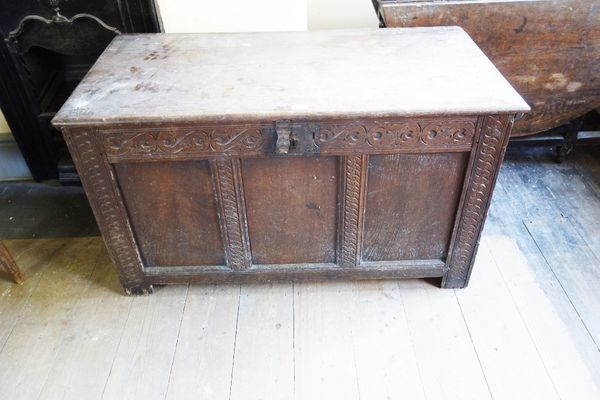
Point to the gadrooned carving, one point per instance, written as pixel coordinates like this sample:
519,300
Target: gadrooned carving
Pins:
353,176
230,200
105,203
483,176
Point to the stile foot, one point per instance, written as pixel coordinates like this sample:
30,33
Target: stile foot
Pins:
138,290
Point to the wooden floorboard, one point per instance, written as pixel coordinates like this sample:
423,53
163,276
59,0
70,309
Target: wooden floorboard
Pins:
587,164
561,244
500,337
440,336
34,342
143,359
203,363
263,366
33,257
554,324
527,327
31,210
324,353
575,196
93,333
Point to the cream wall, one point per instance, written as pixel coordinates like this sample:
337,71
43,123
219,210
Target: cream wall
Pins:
3,125
340,14
12,165
232,15
265,15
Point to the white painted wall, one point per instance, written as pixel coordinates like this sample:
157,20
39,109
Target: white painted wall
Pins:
3,124
340,14
233,15
265,15
12,165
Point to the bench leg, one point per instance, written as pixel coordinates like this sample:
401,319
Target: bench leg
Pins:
570,139
7,262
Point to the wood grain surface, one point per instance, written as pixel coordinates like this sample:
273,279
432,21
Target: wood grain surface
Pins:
292,209
349,73
9,265
173,212
411,204
548,50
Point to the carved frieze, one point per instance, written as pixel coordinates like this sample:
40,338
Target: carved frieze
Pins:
339,137
397,135
189,140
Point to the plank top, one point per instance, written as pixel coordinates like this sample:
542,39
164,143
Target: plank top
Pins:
263,76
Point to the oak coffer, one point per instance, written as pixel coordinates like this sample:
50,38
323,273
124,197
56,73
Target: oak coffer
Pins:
300,155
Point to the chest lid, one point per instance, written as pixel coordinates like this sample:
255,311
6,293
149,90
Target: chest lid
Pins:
391,72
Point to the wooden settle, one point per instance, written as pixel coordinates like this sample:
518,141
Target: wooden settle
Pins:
270,156
548,50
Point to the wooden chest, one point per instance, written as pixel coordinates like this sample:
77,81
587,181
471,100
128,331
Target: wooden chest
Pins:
307,155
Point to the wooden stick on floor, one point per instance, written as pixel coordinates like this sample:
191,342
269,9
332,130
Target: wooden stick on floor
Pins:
9,264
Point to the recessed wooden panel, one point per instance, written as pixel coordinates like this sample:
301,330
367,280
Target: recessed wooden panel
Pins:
173,213
411,205
291,204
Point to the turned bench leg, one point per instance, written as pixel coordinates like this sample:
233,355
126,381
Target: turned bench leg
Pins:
7,262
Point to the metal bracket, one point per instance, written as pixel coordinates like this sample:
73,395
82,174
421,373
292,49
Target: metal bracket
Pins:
296,137
283,129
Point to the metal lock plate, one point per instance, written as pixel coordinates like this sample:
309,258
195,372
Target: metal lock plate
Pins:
296,137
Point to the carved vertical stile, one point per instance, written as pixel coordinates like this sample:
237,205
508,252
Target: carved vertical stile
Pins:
487,158
354,178
228,188
102,189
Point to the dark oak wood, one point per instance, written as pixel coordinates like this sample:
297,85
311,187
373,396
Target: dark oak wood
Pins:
403,192
329,75
281,195
548,50
477,194
98,179
9,264
175,222
427,269
232,212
